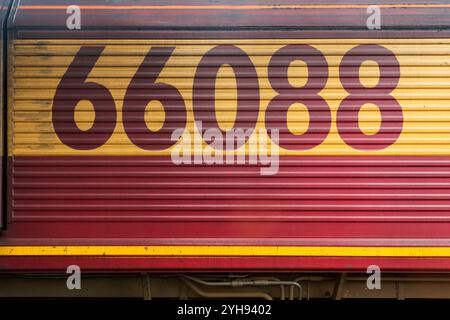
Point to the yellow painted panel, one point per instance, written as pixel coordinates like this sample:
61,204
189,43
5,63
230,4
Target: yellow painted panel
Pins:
265,94
192,61
190,50
226,82
291,251
183,72
422,91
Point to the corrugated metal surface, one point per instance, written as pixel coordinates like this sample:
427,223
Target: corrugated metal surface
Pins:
413,76
347,184
323,14
375,181
3,14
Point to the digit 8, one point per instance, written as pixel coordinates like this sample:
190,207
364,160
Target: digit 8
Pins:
319,111
348,111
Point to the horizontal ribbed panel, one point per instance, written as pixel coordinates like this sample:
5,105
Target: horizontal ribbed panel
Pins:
421,90
121,187
134,199
342,190
233,14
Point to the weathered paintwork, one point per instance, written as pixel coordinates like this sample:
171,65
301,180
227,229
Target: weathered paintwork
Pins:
92,183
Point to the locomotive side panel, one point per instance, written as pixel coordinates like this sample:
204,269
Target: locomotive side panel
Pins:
118,139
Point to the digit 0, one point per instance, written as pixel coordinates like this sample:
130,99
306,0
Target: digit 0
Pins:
390,110
203,94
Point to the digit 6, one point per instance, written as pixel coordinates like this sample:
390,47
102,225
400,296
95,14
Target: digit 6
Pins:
66,100
134,104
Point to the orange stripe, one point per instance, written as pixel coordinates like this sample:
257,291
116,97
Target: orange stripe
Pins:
243,7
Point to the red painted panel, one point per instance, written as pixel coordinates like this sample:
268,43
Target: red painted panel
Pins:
360,200
244,264
310,197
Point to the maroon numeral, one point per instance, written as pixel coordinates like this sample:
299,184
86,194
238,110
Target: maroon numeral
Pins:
67,97
143,89
203,94
391,111
319,111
